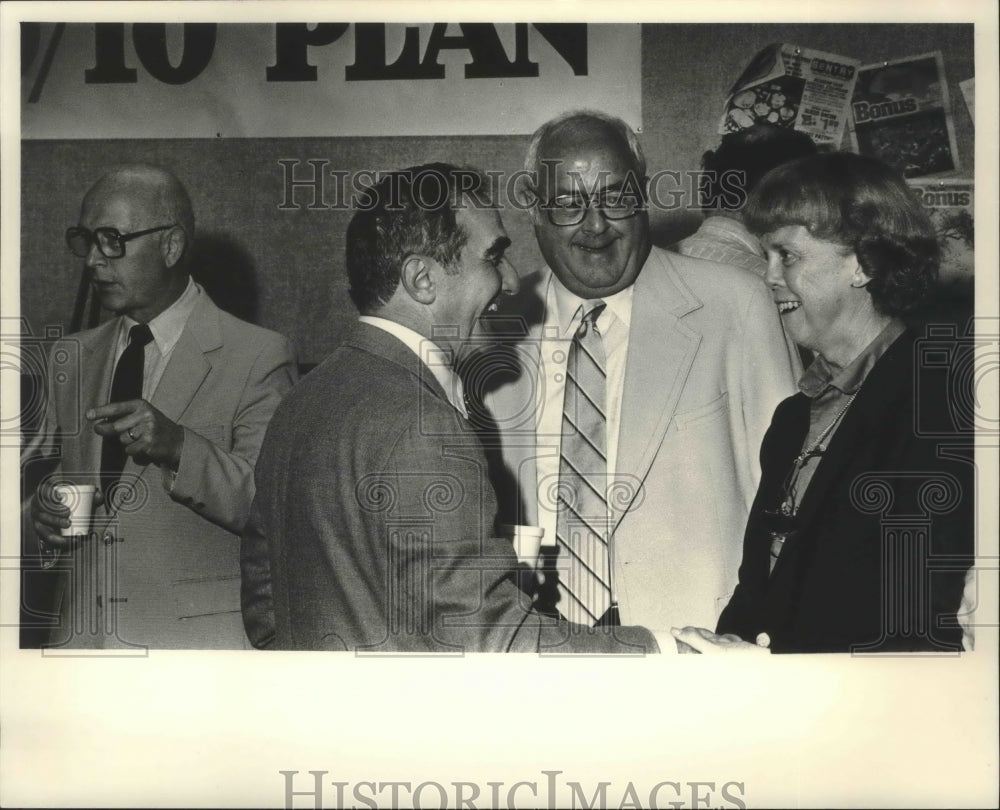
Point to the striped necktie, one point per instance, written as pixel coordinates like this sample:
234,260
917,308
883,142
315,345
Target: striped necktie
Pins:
582,528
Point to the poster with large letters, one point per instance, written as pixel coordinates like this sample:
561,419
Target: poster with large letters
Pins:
794,87
224,80
950,204
902,115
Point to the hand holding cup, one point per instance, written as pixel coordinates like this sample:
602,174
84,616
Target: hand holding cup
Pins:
62,511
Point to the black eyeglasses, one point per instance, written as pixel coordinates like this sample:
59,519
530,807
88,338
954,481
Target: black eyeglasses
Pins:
571,209
109,241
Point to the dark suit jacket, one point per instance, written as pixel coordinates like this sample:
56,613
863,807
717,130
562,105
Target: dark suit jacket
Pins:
163,571
371,527
885,529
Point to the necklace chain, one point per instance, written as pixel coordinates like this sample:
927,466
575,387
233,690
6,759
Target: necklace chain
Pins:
788,508
826,431
788,502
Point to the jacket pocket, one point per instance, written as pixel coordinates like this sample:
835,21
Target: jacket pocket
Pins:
706,413
204,596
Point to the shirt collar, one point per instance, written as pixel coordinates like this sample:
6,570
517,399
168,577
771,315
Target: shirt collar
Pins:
565,306
735,230
436,359
168,325
820,376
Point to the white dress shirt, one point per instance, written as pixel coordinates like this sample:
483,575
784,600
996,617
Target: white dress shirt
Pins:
436,359
166,328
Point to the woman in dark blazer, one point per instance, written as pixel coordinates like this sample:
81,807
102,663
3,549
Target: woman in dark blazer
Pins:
862,528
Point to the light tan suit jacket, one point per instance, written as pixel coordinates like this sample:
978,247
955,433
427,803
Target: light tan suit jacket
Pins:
706,367
163,570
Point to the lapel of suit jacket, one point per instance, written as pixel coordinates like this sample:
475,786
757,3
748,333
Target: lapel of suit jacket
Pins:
186,369
661,349
862,422
781,445
190,361
97,362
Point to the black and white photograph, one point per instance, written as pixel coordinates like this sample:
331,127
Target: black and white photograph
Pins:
574,406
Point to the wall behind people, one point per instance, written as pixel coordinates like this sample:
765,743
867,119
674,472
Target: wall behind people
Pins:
284,268
280,267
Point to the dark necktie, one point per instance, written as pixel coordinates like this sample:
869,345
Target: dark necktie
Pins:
582,529
126,385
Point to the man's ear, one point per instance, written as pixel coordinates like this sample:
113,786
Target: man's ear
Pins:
524,192
174,244
416,278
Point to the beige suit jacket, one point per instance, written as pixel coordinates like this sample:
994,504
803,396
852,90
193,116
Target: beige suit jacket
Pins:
706,367
163,570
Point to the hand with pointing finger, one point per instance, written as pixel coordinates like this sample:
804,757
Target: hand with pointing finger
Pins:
148,435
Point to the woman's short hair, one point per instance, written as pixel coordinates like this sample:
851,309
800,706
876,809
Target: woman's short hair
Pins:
863,204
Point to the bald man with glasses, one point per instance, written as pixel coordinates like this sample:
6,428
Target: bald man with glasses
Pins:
175,396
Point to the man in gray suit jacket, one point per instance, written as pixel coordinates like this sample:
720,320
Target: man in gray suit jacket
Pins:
372,528
174,397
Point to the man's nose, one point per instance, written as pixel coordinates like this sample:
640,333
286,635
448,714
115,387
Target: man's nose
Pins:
94,256
510,281
594,220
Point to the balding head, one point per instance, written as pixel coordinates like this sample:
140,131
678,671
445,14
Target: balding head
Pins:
152,190
590,126
149,210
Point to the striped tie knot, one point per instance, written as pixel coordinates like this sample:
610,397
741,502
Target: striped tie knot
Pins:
589,320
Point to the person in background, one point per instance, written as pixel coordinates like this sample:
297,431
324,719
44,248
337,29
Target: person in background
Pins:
732,171
861,532
631,434
372,529
175,395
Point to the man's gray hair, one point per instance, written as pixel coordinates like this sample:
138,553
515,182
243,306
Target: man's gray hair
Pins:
575,120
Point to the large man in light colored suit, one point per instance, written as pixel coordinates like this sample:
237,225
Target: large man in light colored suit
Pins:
160,567
372,527
695,364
